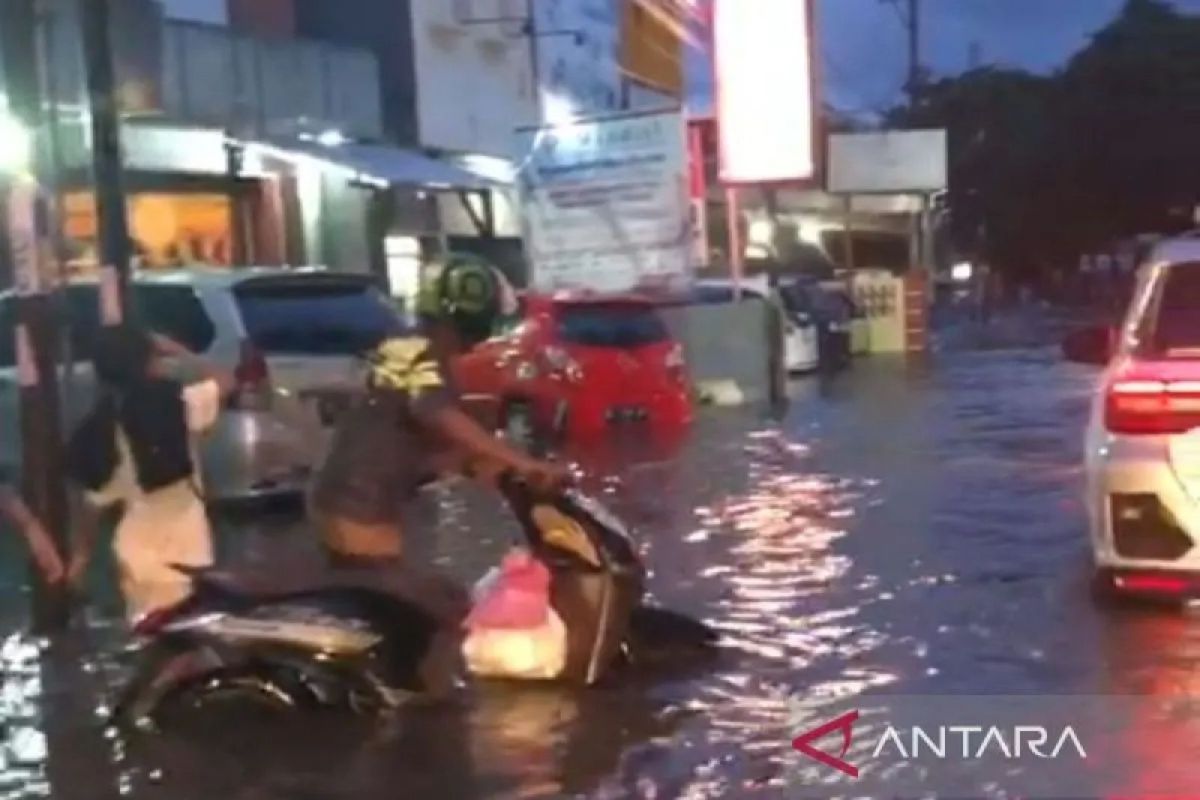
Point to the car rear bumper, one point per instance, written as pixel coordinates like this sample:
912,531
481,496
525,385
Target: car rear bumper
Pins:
1143,515
589,414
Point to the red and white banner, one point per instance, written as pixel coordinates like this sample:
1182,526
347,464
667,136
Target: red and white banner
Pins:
765,90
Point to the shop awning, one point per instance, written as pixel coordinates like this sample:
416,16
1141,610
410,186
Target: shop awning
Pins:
390,166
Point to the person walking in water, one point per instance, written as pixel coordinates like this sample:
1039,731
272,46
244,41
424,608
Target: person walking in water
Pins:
137,450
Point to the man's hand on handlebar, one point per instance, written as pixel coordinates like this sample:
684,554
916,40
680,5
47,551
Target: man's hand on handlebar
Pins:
545,476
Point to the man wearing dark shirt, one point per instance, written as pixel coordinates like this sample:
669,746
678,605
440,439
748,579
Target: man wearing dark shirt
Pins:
410,425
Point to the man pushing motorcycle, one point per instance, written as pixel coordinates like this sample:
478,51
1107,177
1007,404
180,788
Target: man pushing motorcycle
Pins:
410,425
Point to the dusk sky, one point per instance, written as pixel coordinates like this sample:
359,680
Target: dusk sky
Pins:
864,56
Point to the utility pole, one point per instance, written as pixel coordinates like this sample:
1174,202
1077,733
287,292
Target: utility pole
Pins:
914,49
910,18
24,256
107,166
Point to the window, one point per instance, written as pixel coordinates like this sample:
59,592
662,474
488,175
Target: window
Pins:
1177,321
611,325
176,312
316,317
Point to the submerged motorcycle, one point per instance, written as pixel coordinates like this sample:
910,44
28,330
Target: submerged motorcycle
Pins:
364,641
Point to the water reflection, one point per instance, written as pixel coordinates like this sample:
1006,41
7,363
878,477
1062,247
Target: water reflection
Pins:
900,532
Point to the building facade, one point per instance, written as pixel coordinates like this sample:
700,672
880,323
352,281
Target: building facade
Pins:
206,108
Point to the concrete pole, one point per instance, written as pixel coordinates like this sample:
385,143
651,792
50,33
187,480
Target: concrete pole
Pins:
115,249
737,248
914,48
24,249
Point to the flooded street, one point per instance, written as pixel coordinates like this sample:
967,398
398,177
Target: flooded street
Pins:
914,528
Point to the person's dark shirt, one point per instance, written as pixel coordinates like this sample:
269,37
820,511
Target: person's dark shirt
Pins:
385,446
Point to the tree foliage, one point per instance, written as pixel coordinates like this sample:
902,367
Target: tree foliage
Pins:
1044,168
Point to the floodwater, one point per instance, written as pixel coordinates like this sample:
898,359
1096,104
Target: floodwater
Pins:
905,528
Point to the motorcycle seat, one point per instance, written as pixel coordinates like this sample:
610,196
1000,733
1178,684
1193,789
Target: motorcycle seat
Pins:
436,595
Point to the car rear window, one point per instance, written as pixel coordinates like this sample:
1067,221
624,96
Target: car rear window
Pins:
1177,324
176,311
316,317
611,325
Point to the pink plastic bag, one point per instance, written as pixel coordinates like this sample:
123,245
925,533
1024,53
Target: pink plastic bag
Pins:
517,599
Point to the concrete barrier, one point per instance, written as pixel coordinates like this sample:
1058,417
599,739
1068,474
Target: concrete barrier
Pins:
734,352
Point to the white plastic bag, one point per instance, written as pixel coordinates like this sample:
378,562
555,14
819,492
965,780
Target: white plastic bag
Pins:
524,654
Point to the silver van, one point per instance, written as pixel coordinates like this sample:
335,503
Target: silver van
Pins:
293,338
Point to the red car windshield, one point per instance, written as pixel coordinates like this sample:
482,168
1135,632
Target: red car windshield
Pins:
620,325
1176,330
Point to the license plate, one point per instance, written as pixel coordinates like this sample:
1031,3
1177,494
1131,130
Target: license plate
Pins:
627,414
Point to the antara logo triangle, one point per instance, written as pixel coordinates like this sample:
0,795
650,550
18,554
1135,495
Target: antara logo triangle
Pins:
804,743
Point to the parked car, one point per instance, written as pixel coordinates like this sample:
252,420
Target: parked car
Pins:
578,365
292,337
801,348
1143,438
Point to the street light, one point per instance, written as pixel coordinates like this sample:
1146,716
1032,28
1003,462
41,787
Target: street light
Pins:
16,145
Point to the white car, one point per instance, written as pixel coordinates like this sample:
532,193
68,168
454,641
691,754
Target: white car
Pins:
801,337
1143,439
292,338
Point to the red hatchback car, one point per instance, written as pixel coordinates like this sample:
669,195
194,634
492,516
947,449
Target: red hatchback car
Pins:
570,366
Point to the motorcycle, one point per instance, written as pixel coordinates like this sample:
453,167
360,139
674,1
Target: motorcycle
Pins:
367,641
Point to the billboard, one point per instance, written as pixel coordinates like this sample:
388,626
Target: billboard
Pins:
765,90
891,162
607,204
652,39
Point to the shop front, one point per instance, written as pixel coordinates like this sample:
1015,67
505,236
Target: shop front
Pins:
184,207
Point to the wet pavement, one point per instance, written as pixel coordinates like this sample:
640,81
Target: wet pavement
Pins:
913,527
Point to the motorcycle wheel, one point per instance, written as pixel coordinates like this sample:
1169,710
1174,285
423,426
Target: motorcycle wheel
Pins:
173,682
249,687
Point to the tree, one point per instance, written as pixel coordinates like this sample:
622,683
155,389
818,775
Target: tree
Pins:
996,121
1126,123
1045,168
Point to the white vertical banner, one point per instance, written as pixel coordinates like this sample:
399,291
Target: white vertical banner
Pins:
764,88
35,268
23,235
110,296
27,371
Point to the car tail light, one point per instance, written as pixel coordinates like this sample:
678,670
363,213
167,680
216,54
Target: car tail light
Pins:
253,377
676,364
1152,583
561,364
1145,406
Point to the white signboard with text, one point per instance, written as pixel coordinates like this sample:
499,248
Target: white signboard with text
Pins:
890,162
606,204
